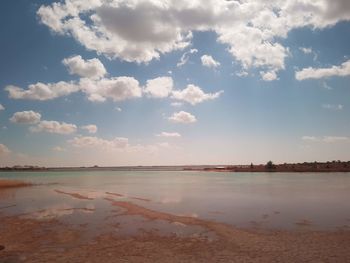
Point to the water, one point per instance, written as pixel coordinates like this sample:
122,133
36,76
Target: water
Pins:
293,201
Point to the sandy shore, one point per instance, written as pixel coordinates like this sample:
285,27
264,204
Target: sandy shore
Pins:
29,240
5,183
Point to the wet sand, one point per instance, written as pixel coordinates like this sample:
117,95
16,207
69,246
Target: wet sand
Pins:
29,240
4,184
74,195
48,239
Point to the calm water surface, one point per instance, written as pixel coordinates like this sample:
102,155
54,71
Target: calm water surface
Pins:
318,201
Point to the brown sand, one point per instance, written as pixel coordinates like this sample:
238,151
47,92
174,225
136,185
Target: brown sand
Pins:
304,222
28,240
133,209
140,199
130,197
4,183
115,194
74,195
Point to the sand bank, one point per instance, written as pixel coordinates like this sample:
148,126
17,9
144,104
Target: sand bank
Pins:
5,183
74,195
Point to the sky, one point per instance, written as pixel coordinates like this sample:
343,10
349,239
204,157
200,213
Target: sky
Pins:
151,82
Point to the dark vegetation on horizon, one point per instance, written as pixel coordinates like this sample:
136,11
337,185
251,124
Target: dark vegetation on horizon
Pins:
334,166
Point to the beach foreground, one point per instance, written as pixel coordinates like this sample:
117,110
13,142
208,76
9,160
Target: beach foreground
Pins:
111,226
30,240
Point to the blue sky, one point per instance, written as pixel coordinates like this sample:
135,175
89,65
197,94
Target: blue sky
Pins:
248,89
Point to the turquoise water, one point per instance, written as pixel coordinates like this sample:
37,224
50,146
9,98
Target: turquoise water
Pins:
302,201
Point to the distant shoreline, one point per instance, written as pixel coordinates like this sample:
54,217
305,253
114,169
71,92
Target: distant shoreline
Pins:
321,167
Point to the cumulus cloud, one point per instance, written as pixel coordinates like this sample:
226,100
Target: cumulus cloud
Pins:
32,117
306,50
26,117
1,107
169,134
334,139
319,73
4,150
96,142
58,149
54,127
133,31
91,68
139,31
242,73
326,86
186,56
335,107
91,128
326,139
268,76
176,104
182,117
42,91
309,138
194,95
119,144
209,61
159,87
116,88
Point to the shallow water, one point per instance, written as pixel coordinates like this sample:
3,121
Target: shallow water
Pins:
296,201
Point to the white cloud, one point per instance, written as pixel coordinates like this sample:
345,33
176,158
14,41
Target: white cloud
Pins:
58,149
119,144
310,138
319,73
118,109
268,76
185,57
159,87
333,106
32,117
335,139
194,95
164,144
91,68
133,31
4,150
182,117
96,142
54,127
176,104
2,107
116,88
139,31
42,91
90,128
169,134
209,61
326,139
242,74
326,86
26,117
306,50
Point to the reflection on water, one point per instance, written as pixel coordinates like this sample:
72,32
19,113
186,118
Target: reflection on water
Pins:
261,200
